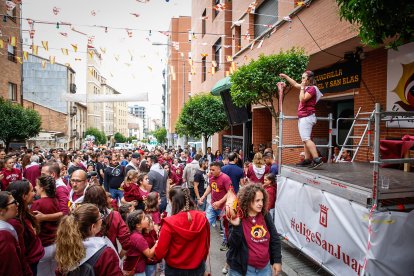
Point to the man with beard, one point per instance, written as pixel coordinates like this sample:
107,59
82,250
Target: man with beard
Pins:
114,175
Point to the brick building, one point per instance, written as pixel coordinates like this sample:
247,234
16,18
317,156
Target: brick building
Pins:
10,54
332,45
178,72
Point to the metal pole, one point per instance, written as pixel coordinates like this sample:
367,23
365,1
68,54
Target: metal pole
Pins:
375,173
279,152
330,138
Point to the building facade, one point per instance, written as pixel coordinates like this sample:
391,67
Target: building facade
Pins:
94,81
45,86
121,117
135,126
180,66
108,112
11,54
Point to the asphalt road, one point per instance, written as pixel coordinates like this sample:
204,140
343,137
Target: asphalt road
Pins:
217,257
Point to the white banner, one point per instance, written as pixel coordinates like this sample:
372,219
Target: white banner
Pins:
334,232
400,83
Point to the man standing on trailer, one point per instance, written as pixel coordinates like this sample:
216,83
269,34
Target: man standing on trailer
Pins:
309,95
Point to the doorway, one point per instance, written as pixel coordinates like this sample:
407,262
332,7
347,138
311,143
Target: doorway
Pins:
344,109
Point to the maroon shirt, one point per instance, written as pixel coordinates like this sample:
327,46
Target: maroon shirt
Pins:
135,257
156,216
117,230
219,187
48,229
10,176
10,255
307,108
31,173
62,196
271,192
258,239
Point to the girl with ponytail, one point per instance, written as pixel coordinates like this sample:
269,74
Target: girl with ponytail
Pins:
76,243
184,239
46,204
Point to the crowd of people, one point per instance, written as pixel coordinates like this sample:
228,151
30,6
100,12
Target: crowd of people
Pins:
139,212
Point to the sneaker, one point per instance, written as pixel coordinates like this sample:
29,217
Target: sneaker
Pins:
224,246
316,163
304,163
224,270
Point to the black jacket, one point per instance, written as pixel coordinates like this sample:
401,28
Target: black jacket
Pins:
238,252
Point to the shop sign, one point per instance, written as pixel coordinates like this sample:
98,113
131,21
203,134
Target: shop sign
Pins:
339,77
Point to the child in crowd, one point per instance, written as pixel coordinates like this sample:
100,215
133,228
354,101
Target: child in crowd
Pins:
135,189
47,204
151,236
125,209
152,207
113,203
270,186
134,263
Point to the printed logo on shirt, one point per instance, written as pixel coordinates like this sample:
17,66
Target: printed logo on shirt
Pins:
258,232
116,171
214,187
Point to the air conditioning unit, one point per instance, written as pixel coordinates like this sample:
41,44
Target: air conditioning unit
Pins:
72,88
74,111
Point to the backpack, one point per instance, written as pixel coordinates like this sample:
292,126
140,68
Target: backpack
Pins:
192,172
86,269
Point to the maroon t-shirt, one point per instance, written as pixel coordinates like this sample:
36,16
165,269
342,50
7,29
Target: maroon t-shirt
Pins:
9,176
135,256
62,196
307,108
48,229
219,187
156,217
258,239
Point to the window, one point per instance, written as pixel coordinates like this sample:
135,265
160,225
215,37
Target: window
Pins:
203,23
203,69
237,38
218,52
11,53
215,11
265,15
13,92
12,14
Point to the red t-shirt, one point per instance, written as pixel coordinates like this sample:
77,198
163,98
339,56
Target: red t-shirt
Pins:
62,196
10,255
151,238
48,229
271,192
156,217
10,176
258,239
307,108
117,230
132,192
135,257
31,173
219,187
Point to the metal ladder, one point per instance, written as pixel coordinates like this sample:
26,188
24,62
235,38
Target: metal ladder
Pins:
367,130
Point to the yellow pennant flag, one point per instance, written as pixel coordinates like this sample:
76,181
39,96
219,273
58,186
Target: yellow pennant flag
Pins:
65,51
214,63
1,44
204,55
227,73
19,60
45,45
67,64
75,47
13,41
190,61
231,70
103,50
150,68
90,71
213,70
229,58
90,54
233,66
52,59
43,64
35,49
25,55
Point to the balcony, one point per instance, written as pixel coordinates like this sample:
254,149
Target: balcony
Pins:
72,88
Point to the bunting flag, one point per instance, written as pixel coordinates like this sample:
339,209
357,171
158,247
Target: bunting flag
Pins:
220,7
165,33
93,13
231,70
127,64
65,51
103,50
300,4
268,25
45,45
134,14
64,34
150,68
10,5
90,70
233,66
129,32
229,58
112,75
56,10
90,42
204,55
1,44
252,46
227,73
260,44
67,64
247,36
227,46
78,59
252,7
19,60
25,55
13,41
213,70
287,18
116,57
76,31
32,33
190,61
52,59
90,54
75,47
273,31
238,22
214,63
176,45
43,64
35,50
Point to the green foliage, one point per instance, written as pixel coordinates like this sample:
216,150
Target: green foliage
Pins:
255,83
144,140
119,138
17,122
380,21
160,134
131,138
203,115
100,138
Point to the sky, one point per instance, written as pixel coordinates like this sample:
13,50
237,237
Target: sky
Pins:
130,63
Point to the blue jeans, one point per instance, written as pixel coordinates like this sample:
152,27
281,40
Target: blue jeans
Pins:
116,194
252,271
150,270
212,216
203,206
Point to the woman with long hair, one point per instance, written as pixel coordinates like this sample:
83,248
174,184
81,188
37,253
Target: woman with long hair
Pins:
254,245
47,204
12,262
113,226
76,243
217,156
257,169
184,239
26,225
9,173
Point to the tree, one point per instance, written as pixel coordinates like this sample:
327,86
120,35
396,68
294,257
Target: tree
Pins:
380,21
119,138
131,138
18,123
202,116
255,83
100,138
160,134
